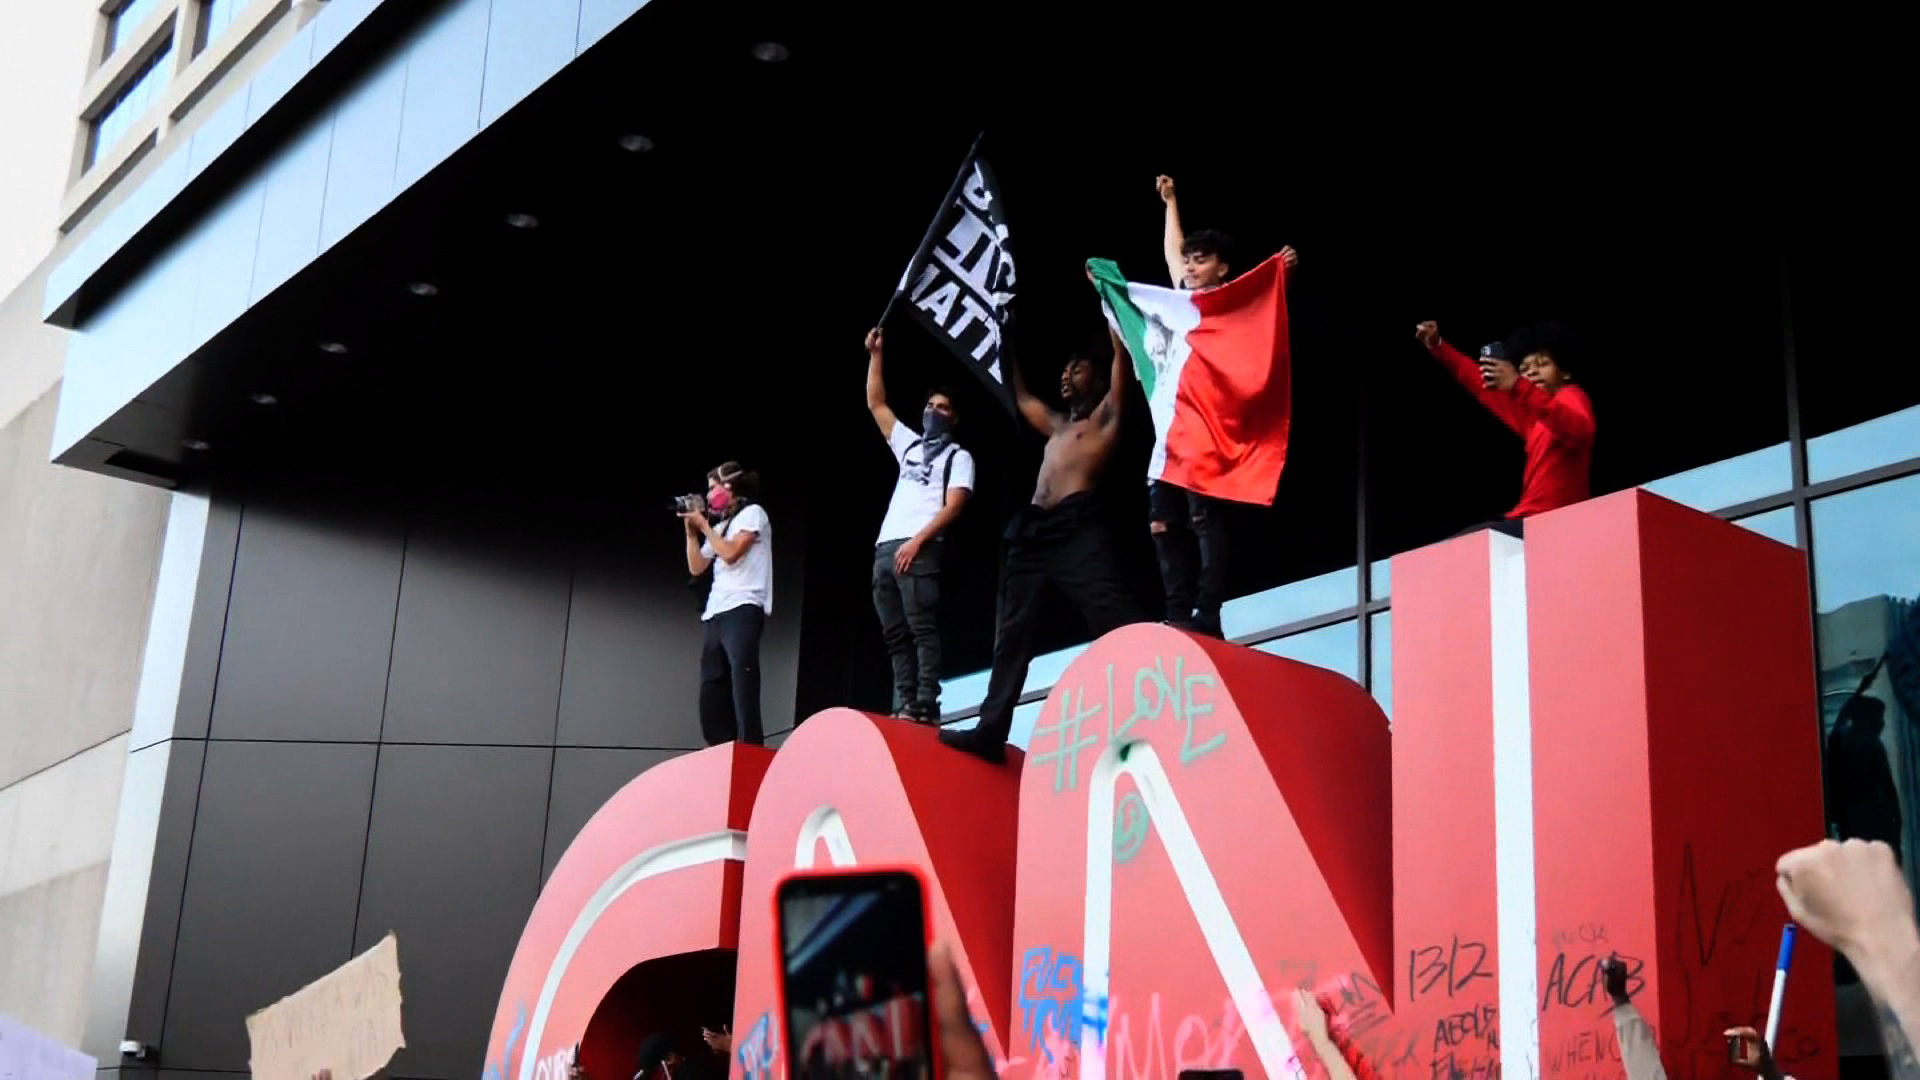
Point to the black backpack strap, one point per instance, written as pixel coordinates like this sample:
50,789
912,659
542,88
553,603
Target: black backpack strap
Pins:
946,478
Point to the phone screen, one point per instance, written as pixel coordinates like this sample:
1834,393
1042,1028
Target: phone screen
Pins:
854,976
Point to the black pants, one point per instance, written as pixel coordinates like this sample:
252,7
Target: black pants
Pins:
908,606
1069,546
730,676
1190,535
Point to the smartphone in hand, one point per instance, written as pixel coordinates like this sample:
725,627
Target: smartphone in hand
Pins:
853,972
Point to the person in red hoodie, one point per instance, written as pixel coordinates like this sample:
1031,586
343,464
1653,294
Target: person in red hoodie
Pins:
1539,401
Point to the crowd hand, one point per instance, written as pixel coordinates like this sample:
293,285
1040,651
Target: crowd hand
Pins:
720,1042
1164,185
903,557
876,340
1498,374
1750,1052
1289,258
961,1047
1614,975
1313,1019
1851,896
1428,334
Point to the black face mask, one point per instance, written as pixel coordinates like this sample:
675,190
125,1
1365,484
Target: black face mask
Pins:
936,424
936,432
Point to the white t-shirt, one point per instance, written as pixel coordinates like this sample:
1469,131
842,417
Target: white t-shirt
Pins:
916,500
750,579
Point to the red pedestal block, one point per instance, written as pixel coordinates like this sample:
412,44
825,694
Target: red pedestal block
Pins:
1199,823
851,788
1676,757
655,873
1604,736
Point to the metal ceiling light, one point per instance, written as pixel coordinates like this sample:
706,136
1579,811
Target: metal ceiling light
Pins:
636,144
424,288
333,348
523,221
263,399
770,52
196,445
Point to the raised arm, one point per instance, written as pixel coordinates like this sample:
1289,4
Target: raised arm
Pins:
1466,372
877,384
1032,408
1176,238
1109,410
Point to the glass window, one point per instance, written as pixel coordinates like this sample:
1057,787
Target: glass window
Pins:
1291,603
215,17
1024,717
124,21
1730,482
1776,524
128,106
1336,648
1380,579
1866,577
1382,649
1882,441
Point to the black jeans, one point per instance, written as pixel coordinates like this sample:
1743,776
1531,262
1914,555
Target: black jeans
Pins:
730,676
1190,536
1069,546
908,605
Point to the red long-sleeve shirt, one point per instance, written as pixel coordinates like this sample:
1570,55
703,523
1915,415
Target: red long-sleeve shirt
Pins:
1557,426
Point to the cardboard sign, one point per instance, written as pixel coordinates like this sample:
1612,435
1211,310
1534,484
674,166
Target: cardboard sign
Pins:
347,1021
28,1055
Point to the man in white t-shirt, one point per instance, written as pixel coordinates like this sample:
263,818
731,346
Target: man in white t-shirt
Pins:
737,542
935,478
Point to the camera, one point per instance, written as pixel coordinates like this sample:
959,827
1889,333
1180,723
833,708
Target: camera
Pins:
1495,351
689,504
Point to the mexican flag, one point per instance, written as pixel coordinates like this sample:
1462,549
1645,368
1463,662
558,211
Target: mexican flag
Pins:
1215,368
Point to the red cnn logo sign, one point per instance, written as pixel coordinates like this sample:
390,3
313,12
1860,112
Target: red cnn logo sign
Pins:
1602,739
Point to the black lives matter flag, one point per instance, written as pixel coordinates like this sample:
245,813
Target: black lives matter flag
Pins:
960,283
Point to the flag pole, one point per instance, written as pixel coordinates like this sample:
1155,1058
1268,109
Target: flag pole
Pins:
933,228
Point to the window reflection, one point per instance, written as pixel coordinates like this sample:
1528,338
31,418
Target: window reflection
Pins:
1336,648
1291,603
1773,524
1882,441
1731,482
129,105
1381,648
1024,717
1866,568
124,21
215,17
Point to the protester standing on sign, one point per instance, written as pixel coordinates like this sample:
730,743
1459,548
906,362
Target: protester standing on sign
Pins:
1057,538
1539,401
935,478
1189,528
729,532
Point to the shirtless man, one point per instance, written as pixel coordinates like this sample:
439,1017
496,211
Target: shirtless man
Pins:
1058,538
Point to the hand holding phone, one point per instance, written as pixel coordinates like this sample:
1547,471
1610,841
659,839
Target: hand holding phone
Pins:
854,973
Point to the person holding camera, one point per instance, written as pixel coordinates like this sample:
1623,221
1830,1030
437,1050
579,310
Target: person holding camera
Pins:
729,532
1539,402
936,477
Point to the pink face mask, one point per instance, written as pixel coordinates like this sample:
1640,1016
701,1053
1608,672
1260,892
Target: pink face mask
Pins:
719,499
